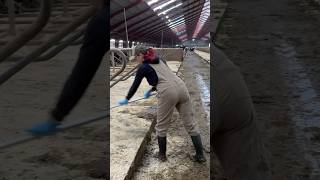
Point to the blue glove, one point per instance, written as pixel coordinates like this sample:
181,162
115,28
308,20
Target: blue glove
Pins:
45,128
147,94
123,101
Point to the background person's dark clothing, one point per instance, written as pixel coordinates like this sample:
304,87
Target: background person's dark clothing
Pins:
95,45
235,136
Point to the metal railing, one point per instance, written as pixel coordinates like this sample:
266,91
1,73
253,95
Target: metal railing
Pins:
35,55
51,42
70,40
30,33
115,56
125,76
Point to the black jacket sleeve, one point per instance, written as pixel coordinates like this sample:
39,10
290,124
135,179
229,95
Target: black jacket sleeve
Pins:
144,71
137,81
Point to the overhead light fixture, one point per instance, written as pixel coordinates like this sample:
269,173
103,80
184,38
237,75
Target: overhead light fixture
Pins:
167,10
152,2
164,5
181,16
177,25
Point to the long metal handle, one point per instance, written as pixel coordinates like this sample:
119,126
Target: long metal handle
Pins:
30,33
29,137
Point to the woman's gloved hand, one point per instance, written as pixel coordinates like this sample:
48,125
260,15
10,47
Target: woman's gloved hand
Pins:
44,128
123,101
147,94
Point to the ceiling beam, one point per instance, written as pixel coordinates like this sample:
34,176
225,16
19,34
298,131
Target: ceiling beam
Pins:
160,26
140,21
157,28
127,7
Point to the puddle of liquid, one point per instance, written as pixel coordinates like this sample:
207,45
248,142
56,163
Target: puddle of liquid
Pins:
205,94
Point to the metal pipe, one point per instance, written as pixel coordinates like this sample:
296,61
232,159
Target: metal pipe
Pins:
161,38
125,22
120,79
129,75
60,47
123,64
78,42
21,8
27,35
112,62
52,41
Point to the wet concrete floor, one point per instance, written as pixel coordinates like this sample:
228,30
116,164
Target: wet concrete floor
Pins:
276,45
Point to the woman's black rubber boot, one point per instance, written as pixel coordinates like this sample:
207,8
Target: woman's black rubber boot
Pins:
199,156
162,142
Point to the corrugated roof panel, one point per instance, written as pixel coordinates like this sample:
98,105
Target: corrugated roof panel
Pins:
203,18
147,19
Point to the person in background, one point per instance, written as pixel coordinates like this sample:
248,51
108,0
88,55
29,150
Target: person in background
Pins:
171,93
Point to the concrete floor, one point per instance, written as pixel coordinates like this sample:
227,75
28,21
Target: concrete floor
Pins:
276,45
27,98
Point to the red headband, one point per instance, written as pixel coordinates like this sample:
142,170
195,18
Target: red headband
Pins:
149,55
